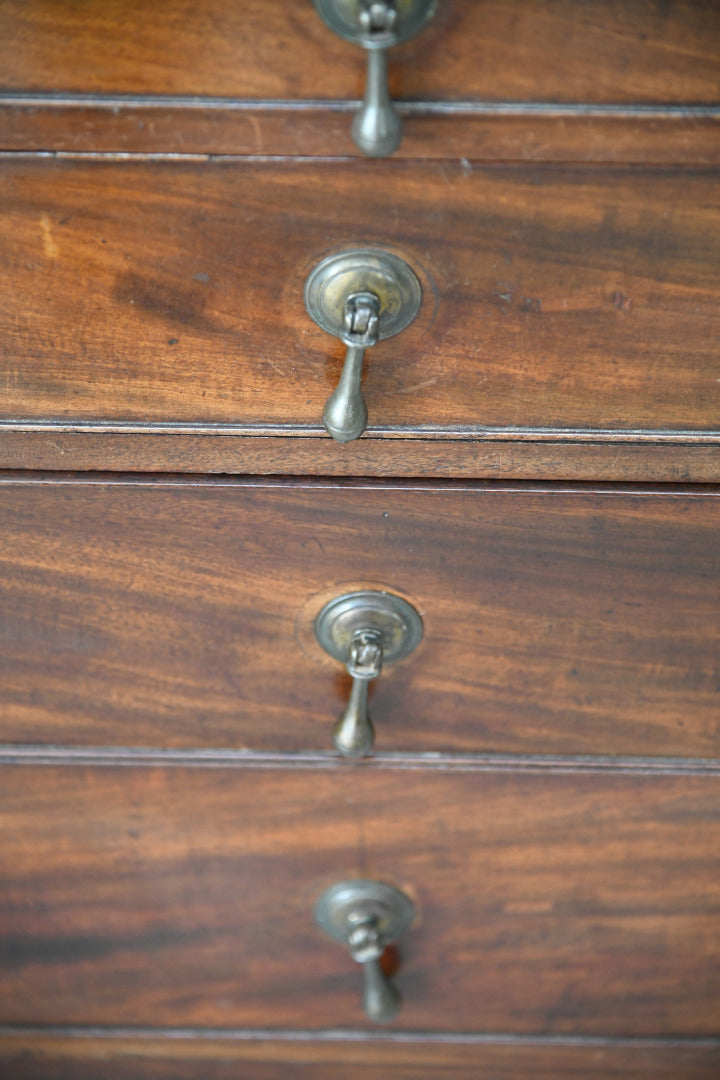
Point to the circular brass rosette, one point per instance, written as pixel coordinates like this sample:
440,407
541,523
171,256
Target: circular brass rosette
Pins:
344,18
363,270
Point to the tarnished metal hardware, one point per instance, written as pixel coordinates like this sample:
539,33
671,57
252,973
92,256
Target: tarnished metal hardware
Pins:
376,25
345,413
364,630
367,916
361,296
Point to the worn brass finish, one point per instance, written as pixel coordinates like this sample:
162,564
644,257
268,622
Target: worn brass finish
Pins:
353,20
376,25
361,296
367,916
364,630
369,271
345,413
393,618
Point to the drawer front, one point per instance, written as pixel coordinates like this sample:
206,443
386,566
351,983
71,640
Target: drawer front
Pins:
180,613
505,80
168,298
280,49
183,897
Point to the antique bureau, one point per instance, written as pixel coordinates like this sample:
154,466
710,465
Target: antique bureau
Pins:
538,479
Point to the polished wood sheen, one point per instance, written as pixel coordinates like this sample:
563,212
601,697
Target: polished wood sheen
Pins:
554,299
496,50
183,897
170,613
546,785
33,1056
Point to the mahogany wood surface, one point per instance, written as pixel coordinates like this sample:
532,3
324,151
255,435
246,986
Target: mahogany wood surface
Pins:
564,904
535,50
547,781
47,1057
474,133
554,299
170,613
516,456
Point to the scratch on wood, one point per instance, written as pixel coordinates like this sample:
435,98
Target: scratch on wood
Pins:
49,245
412,389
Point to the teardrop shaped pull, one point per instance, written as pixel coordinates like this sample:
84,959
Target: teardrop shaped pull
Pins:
345,413
381,1000
377,127
354,735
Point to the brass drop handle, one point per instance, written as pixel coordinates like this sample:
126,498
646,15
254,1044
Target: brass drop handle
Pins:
354,734
376,25
360,296
364,629
367,916
345,414
377,127
381,1001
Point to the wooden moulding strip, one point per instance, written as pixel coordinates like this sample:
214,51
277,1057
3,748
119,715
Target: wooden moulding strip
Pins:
619,458
142,757
481,1055
479,132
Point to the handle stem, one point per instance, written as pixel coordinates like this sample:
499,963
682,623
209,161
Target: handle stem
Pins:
354,734
345,414
377,128
381,1001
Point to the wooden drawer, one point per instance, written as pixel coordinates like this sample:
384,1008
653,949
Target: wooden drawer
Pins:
269,78
547,902
179,613
280,49
562,309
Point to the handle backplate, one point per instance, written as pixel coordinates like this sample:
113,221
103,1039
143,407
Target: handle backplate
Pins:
396,622
342,904
363,270
343,17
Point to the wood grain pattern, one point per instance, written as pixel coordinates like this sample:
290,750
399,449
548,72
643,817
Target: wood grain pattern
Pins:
180,614
33,1056
183,897
500,49
612,459
554,298
155,906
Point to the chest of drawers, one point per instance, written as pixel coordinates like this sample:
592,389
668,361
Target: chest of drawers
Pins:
538,479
